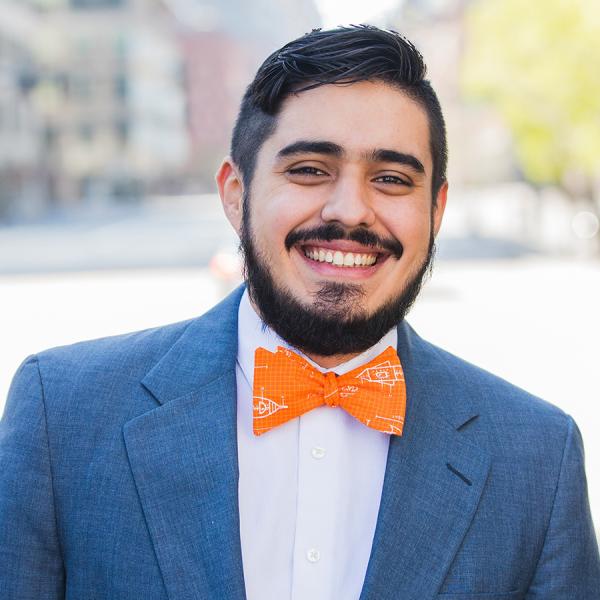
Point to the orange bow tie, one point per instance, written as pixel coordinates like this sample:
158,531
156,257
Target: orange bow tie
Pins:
286,386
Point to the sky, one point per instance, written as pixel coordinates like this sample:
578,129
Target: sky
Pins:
343,12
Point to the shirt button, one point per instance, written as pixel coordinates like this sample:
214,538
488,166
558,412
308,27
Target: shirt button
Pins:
318,452
313,555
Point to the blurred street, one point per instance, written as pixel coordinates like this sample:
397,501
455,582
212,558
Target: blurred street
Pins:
170,232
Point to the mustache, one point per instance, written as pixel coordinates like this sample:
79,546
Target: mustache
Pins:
331,232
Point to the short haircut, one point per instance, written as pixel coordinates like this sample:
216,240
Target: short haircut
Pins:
335,56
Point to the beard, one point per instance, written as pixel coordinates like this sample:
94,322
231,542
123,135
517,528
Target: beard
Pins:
336,322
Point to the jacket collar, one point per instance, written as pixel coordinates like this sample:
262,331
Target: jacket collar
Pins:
206,351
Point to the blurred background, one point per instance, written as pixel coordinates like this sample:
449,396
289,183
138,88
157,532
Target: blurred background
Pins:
114,115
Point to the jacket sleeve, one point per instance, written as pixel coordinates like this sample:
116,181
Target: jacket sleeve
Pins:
569,566
31,567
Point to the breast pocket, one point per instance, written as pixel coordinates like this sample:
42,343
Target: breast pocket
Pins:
514,595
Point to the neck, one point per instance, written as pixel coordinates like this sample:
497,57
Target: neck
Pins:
328,362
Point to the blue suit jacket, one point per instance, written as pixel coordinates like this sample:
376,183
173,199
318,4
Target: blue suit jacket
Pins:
118,478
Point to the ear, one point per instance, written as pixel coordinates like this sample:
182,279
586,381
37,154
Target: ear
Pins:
231,191
438,211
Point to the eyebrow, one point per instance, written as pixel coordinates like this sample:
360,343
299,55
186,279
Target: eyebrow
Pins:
332,149
313,147
382,155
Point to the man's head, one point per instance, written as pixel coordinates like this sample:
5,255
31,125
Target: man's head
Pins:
338,153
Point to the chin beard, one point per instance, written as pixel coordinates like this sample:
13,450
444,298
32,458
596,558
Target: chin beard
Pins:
335,323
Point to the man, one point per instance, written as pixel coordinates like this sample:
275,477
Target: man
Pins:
299,440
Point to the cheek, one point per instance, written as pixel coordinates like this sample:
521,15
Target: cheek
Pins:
270,226
411,225
280,214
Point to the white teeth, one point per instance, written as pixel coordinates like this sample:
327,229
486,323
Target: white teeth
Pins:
341,259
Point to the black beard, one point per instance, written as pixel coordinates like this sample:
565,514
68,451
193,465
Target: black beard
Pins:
336,323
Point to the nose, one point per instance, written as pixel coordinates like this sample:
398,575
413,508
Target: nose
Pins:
349,203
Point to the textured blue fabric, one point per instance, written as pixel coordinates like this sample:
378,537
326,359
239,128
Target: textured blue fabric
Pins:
118,478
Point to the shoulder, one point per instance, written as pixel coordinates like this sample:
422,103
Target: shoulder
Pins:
108,374
132,353
501,411
94,378
491,392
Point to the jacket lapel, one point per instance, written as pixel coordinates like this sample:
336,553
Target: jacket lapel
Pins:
433,482
183,457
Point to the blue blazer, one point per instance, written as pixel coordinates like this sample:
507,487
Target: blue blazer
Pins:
119,472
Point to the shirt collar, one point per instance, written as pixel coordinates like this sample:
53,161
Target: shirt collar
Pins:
253,333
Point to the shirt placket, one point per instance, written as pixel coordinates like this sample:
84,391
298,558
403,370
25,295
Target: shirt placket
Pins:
313,559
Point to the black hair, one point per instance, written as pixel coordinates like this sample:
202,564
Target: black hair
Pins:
342,55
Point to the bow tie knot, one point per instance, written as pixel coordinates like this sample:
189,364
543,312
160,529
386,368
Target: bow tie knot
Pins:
287,386
331,392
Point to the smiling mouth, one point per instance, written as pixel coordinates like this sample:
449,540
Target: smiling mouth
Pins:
338,258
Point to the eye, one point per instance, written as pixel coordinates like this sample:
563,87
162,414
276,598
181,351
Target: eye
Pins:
307,175
393,180
307,171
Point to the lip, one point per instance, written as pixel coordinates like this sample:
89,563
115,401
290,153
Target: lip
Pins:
346,273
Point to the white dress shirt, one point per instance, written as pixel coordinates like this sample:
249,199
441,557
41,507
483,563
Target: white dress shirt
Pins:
309,490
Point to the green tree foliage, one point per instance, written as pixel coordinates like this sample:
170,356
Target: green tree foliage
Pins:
538,63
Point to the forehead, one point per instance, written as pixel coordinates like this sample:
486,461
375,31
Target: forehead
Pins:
359,117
